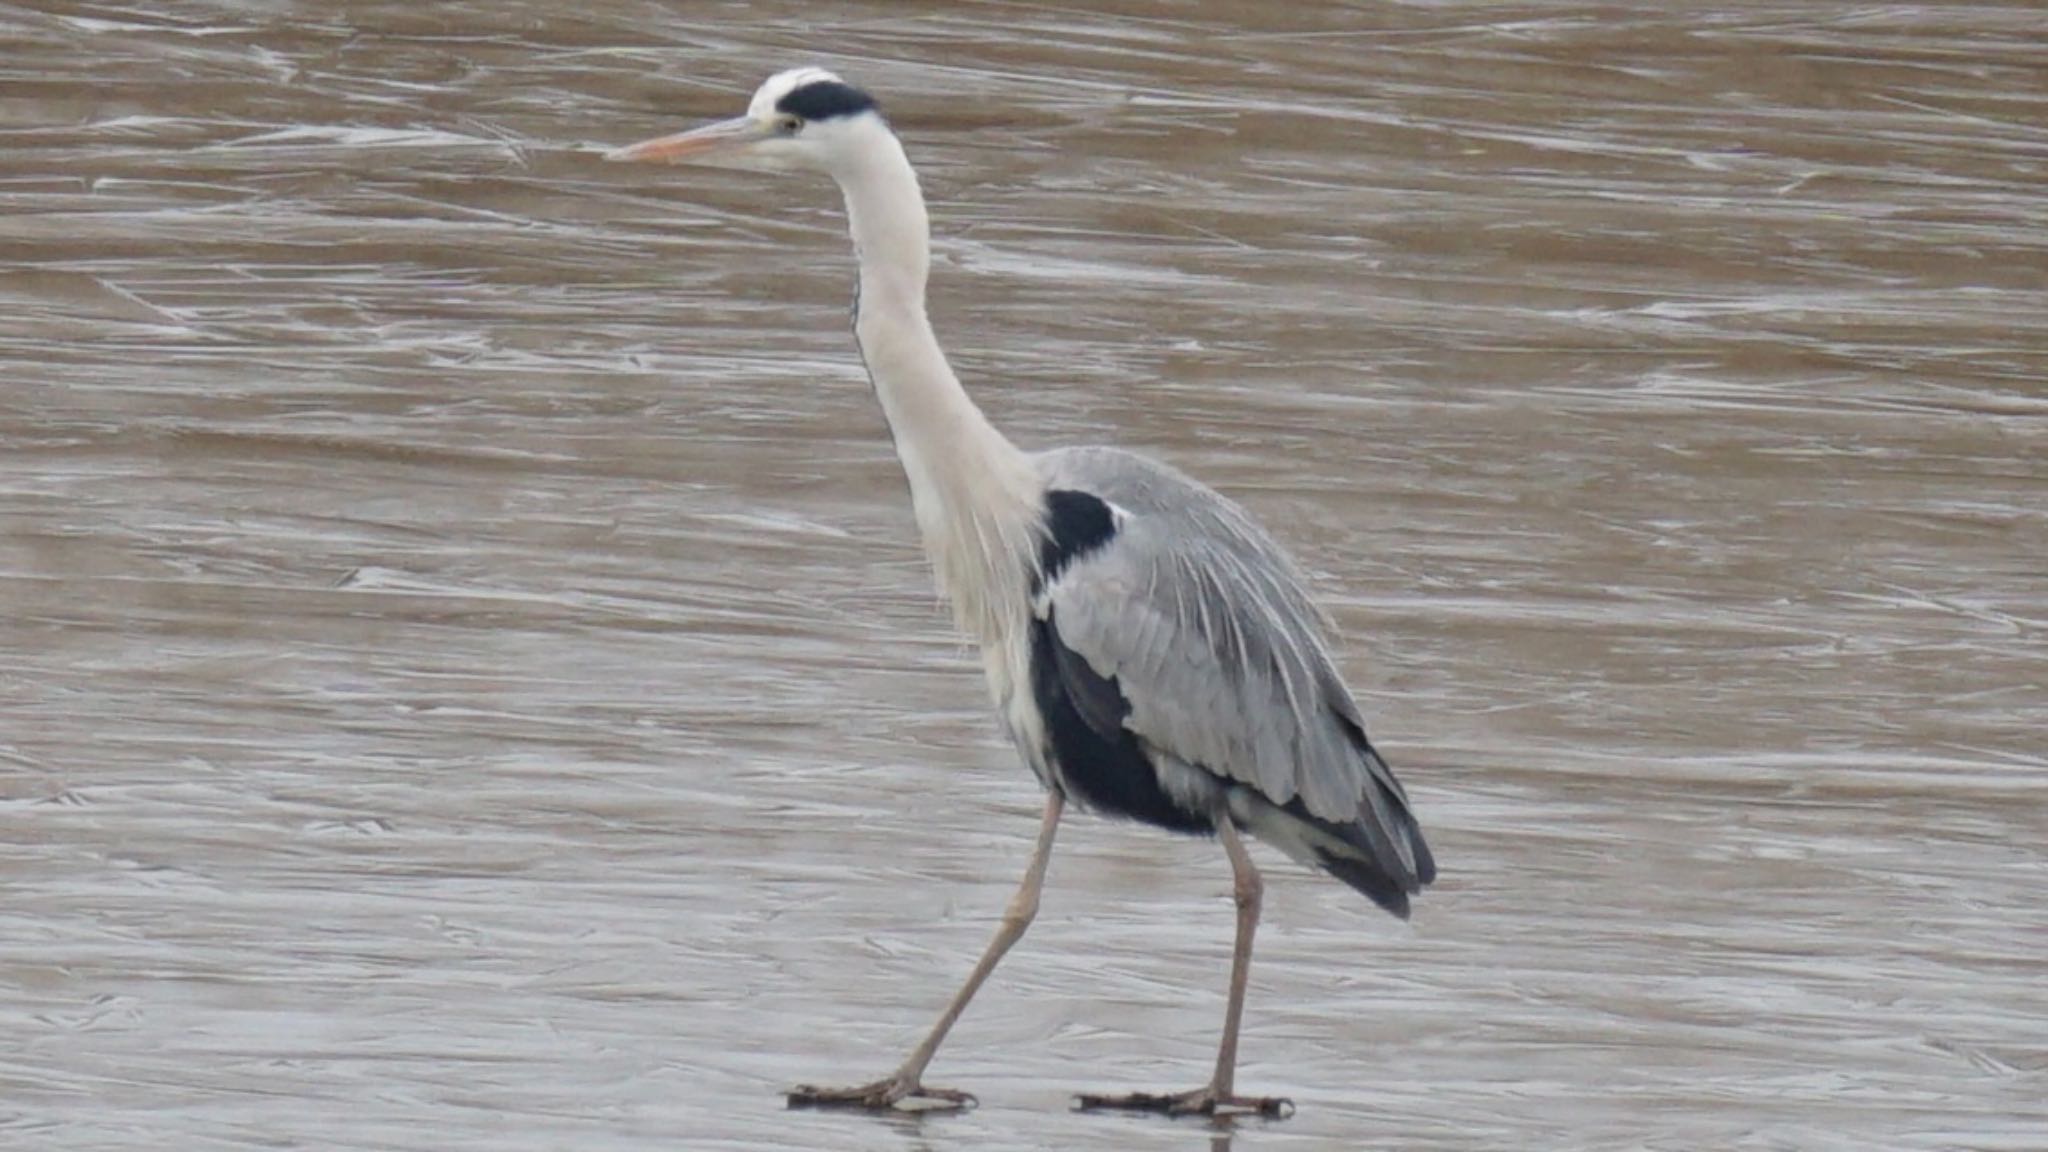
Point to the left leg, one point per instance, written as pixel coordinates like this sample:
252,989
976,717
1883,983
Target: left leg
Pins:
904,1089
1219,1094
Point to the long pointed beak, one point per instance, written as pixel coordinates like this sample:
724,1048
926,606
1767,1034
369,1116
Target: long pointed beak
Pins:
712,140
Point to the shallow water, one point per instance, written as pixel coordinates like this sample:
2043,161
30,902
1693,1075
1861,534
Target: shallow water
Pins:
470,682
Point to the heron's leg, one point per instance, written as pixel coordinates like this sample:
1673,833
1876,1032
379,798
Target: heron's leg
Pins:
1219,1096
1017,917
904,1089
1250,893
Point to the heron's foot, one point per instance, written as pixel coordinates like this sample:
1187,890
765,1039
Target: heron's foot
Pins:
889,1094
1204,1101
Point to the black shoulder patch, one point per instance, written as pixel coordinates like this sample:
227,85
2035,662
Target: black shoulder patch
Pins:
824,100
1076,523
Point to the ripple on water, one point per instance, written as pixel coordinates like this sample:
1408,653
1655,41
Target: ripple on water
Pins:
471,683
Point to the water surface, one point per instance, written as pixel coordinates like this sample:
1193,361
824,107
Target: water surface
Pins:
469,680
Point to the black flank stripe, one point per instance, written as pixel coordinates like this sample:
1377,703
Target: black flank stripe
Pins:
1100,760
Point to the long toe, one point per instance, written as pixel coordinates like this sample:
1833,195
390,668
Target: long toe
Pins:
1127,1101
1200,1102
889,1094
1270,1107
936,1100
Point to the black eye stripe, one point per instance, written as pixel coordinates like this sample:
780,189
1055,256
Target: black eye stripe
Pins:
824,100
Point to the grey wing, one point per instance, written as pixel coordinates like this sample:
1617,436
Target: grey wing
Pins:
1209,633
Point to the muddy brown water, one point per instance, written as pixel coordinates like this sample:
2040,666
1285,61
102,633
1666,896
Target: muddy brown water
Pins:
469,680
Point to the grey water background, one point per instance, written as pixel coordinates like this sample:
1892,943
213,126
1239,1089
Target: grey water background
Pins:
467,678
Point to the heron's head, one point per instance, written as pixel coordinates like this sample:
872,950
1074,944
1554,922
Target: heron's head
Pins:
802,120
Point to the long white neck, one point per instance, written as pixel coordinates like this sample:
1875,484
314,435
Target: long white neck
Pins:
976,495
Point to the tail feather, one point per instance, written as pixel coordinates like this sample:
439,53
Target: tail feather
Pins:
1385,821
1377,885
1346,851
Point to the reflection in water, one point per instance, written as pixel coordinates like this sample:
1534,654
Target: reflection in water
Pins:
1656,396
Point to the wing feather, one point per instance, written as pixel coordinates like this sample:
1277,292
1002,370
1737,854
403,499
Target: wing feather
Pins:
1208,630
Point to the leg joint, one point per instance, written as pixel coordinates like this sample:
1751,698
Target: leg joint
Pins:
1022,909
1249,892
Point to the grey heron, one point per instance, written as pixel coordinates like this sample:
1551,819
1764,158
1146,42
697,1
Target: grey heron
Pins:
1152,653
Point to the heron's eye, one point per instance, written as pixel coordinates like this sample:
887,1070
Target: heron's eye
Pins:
788,125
